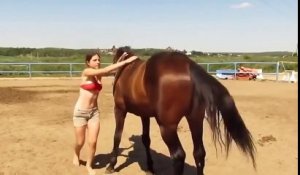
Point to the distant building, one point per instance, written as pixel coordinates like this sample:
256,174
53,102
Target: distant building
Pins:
188,53
169,48
113,48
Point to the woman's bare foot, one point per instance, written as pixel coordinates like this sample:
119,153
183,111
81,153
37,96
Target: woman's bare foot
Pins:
76,160
90,170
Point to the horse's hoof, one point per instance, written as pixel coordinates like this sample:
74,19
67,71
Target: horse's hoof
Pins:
109,170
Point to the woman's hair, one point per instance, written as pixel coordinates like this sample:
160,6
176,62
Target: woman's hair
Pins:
90,54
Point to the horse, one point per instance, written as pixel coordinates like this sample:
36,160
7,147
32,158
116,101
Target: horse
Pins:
170,86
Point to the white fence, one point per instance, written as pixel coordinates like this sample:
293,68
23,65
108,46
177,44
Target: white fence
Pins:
30,69
73,69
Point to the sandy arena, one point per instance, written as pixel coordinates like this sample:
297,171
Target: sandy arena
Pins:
37,137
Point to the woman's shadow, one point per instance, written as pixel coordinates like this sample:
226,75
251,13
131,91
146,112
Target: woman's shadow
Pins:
161,163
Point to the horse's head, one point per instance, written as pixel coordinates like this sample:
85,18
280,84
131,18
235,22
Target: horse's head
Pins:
120,51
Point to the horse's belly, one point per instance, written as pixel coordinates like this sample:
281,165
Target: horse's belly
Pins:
141,110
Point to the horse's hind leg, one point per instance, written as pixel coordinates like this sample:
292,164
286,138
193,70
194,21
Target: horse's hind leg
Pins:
170,137
120,118
195,122
146,141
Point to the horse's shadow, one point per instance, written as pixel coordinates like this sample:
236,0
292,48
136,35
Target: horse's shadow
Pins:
161,163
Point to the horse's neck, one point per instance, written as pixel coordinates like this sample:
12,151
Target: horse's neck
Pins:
132,67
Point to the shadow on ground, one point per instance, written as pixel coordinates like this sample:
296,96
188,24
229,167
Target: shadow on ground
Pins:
162,164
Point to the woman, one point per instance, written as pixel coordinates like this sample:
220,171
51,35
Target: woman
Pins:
86,114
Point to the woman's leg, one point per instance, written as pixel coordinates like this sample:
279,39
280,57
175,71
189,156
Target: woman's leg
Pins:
79,142
93,131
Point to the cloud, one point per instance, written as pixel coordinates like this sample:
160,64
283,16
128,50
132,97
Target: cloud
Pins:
241,5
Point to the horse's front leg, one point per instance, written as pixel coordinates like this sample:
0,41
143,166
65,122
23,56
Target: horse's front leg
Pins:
146,141
120,118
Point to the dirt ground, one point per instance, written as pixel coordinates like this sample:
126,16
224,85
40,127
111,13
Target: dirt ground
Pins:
36,131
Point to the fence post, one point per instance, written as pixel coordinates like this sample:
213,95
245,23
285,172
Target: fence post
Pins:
207,67
277,70
29,70
71,69
235,70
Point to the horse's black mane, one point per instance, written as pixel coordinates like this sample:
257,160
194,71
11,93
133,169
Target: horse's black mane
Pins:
120,51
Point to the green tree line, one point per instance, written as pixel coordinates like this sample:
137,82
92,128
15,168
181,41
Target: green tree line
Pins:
62,55
63,52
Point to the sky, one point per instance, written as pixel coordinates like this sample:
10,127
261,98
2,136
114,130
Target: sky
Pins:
199,25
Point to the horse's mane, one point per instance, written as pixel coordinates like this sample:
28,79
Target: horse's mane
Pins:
120,51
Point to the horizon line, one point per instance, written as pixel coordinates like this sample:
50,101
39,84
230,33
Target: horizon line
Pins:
150,48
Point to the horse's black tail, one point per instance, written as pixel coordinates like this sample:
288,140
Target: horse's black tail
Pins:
217,100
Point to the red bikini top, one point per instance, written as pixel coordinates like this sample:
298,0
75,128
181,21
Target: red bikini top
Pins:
95,86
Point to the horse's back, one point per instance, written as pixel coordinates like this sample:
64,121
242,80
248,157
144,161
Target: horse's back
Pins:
166,63
168,83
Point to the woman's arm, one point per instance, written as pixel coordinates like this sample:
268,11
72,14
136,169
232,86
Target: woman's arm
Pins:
120,59
108,69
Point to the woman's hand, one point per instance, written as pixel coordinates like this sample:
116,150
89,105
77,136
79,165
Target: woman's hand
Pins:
122,57
131,59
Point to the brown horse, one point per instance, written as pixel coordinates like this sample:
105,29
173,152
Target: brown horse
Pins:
169,86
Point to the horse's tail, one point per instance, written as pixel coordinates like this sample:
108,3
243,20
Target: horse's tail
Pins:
217,100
